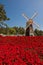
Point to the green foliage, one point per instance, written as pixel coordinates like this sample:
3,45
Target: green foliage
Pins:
18,30
38,32
21,30
12,31
3,16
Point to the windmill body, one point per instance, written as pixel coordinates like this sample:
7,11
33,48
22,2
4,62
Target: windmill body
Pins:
29,28
29,25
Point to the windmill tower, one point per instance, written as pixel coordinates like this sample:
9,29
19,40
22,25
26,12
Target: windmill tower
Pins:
29,24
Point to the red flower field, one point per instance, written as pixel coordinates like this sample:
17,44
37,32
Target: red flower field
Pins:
21,50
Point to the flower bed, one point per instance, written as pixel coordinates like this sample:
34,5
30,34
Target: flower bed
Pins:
21,50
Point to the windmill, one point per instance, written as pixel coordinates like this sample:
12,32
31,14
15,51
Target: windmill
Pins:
29,24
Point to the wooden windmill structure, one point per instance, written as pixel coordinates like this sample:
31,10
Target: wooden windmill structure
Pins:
29,24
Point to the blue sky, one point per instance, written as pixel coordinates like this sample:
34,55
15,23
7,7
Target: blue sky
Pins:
14,9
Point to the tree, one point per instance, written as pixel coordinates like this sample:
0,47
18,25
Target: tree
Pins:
38,32
21,30
3,16
16,28
12,31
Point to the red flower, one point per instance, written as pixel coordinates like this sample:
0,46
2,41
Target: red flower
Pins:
16,50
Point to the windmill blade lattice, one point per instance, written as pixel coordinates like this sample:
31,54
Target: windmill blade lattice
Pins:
34,15
25,16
